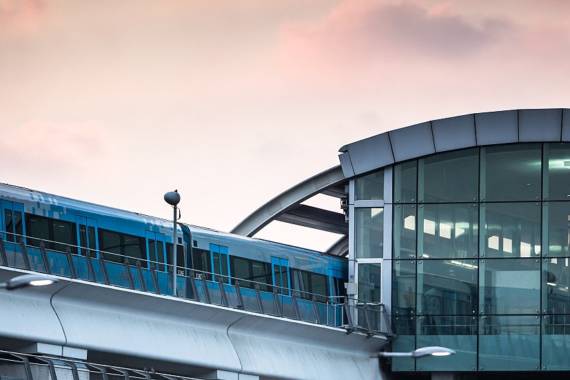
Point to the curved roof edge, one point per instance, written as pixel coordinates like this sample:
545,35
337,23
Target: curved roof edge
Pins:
288,199
465,131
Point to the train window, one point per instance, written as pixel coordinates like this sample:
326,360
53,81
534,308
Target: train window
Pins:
302,283
18,230
115,246
83,239
201,261
261,272
319,285
152,253
241,268
160,255
58,235
9,225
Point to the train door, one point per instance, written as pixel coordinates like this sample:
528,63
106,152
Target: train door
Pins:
13,213
280,275
155,249
87,237
220,261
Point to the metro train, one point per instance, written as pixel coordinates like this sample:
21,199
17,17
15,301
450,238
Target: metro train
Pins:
87,241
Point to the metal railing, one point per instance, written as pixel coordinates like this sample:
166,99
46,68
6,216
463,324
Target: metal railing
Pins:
14,365
109,268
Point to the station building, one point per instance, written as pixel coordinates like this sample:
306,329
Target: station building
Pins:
459,228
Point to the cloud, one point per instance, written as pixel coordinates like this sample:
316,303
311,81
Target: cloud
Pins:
20,17
358,34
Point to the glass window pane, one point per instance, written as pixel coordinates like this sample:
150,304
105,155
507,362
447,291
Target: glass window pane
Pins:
152,253
555,285
511,172
449,177
241,269
319,284
555,342
9,225
369,283
456,332
405,178
509,286
557,215
370,186
18,225
37,227
448,231
404,341
404,231
557,171
447,287
110,244
160,255
404,287
369,232
511,230
509,343
261,273
64,232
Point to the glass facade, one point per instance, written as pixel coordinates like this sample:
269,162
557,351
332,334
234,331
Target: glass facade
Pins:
480,258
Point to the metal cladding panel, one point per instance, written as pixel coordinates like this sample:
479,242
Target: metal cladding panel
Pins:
496,127
346,165
371,153
566,125
540,125
411,142
454,133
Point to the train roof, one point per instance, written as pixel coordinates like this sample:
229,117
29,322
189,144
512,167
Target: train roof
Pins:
27,194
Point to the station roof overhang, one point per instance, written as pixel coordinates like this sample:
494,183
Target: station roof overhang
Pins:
376,152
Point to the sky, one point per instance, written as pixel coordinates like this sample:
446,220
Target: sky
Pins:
233,102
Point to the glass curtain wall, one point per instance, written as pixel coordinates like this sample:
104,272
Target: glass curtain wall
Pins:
481,249
368,218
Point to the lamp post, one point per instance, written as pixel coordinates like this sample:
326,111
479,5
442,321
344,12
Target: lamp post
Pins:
419,353
173,198
26,280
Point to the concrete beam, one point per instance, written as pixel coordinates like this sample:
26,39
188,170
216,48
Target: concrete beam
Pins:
313,217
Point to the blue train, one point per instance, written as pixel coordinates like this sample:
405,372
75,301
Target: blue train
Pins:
67,237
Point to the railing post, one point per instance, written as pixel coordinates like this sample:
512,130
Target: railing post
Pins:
104,270
206,291
295,305
223,295
316,310
25,255
240,304
74,372
3,252
367,318
129,274
258,297
70,262
44,257
192,279
154,277
277,303
141,276
348,313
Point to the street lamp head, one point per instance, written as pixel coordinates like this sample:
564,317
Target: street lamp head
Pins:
433,351
172,198
29,280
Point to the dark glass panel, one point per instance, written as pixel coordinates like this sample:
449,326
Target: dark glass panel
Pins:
555,342
404,341
92,244
447,287
18,230
369,282
448,231
110,245
556,216
241,268
38,230
369,232
370,186
319,285
261,273
511,172
404,287
405,180
555,285
557,171
511,230
152,253
64,232
449,177
404,231
509,343
456,332
9,225
509,286
160,255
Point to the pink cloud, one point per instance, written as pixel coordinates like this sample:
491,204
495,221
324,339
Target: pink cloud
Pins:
20,17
